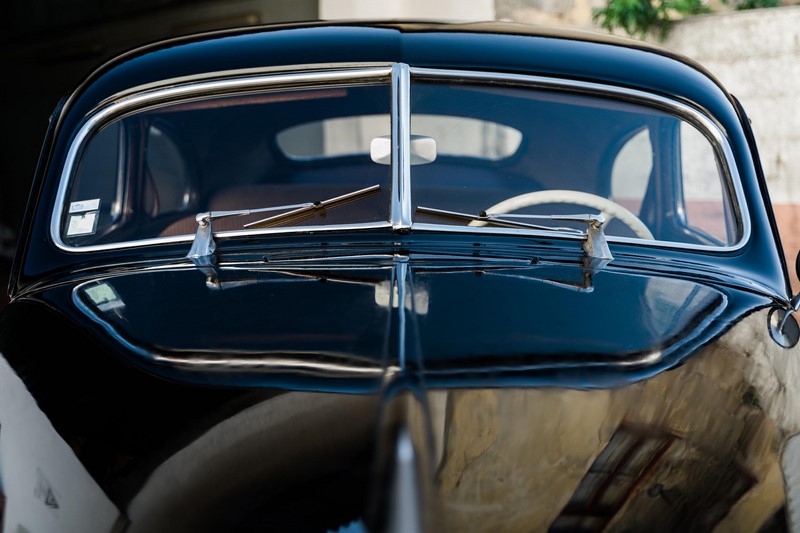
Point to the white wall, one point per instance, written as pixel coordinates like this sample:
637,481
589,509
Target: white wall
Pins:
46,486
459,10
756,55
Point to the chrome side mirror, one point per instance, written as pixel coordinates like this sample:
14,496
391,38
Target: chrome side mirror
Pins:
783,325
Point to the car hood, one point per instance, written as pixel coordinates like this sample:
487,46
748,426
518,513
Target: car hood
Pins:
485,392
347,325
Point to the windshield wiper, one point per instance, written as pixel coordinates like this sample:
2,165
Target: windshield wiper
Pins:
203,246
500,219
310,210
594,245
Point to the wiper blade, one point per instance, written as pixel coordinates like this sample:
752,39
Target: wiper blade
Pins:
203,246
314,208
594,245
214,215
501,219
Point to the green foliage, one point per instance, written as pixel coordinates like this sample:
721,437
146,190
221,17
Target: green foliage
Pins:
647,17
644,17
753,4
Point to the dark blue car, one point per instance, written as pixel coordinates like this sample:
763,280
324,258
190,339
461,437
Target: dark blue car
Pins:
399,276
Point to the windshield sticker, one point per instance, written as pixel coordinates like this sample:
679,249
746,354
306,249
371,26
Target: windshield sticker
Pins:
83,224
85,205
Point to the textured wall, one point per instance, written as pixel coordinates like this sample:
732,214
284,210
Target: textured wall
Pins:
558,12
756,55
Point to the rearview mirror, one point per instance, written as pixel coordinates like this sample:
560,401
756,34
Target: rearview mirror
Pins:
423,150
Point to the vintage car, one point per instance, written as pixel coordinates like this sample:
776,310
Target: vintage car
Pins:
399,276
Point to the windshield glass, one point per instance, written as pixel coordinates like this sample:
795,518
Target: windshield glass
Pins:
503,149
652,174
148,174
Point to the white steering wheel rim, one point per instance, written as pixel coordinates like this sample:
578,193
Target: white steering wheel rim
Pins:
608,208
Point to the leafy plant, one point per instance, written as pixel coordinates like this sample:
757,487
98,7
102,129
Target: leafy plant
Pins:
753,4
644,17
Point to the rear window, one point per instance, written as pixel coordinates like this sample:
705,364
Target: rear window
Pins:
346,136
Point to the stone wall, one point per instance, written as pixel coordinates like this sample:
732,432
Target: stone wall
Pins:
553,12
756,55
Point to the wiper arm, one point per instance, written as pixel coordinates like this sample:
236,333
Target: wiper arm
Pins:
203,246
214,215
309,210
500,219
594,245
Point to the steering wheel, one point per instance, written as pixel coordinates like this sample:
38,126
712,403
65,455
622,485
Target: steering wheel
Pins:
608,208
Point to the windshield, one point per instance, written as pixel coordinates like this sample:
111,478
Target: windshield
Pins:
476,148
652,174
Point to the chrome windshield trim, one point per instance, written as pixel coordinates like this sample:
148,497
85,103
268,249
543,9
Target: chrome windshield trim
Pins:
216,87
483,230
400,76
222,235
693,115
221,75
198,89
401,155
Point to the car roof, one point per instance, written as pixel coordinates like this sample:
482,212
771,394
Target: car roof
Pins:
494,45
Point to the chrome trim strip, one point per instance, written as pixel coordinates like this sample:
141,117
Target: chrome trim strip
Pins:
175,92
478,230
401,141
222,235
240,73
691,114
275,364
